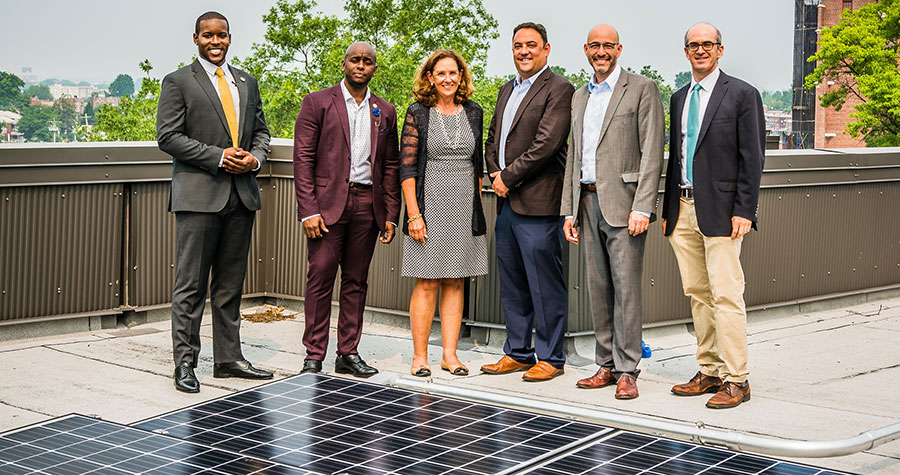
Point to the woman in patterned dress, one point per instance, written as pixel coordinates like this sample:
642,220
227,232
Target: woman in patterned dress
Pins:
440,173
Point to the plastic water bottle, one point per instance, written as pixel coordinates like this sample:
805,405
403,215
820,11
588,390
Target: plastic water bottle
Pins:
645,350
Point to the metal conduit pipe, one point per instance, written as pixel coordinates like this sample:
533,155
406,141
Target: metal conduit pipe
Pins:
697,433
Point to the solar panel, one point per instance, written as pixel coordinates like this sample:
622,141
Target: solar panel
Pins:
335,425
74,445
629,453
329,425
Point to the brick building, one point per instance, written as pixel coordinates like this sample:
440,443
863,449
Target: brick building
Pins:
831,124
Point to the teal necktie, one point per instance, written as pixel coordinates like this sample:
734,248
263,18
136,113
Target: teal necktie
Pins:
693,130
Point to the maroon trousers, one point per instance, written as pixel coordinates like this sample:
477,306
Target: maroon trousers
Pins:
349,244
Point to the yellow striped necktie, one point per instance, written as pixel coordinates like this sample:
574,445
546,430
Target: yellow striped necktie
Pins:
228,106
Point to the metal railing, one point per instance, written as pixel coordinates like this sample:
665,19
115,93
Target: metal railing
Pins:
84,230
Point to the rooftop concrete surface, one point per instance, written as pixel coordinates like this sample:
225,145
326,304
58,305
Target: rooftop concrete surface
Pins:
815,375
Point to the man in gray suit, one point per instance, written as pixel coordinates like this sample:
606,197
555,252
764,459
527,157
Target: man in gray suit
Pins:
210,121
611,182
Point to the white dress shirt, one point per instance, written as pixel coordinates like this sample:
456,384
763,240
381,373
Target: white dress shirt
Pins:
360,137
520,89
210,69
707,85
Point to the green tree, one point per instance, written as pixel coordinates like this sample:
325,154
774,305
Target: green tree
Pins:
122,86
860,56
578,79
665,90
10,89
778,100
303,48
88,112
39,91
36,123
66,118
133,119
682,79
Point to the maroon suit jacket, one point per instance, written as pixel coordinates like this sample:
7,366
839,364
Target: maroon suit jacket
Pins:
322,157
536,145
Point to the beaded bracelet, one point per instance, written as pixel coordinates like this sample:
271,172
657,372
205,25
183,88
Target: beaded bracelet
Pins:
413,218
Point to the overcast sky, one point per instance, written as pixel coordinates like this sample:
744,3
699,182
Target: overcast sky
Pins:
98,39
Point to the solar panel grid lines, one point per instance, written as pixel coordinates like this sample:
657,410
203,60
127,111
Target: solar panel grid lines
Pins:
77,444
337,425
626,453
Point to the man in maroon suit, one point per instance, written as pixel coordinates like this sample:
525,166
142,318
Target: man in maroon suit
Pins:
346,158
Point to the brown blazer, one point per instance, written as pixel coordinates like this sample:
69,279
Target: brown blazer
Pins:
322,157
536,145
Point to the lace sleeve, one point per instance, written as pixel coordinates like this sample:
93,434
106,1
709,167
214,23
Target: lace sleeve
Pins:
409,146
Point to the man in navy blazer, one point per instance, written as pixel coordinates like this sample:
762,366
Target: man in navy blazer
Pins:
210,120
712,189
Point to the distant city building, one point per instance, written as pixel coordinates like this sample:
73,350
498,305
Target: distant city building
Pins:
109,100
58,90
38,102
778,121
8,132
27,76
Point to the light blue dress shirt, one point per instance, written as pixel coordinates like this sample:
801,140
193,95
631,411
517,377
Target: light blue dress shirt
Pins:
520,89
594,113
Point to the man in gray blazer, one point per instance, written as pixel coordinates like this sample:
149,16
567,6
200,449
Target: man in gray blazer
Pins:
210,121
612,177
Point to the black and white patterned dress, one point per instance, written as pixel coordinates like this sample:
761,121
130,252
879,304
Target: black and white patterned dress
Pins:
450,250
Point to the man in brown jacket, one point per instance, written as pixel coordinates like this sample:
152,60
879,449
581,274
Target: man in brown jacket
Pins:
525,154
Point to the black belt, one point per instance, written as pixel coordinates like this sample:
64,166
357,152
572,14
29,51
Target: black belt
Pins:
363,186
687,193
591,187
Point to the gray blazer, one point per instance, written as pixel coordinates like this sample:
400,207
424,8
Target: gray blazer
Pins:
191,127
629,154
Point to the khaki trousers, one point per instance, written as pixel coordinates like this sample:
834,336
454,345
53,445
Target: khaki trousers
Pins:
712,277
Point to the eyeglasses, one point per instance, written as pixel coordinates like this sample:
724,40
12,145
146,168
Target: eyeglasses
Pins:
605,46
707,45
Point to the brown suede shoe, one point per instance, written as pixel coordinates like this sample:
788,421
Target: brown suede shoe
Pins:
699,384
602,379
505,365
730,395
626,387
543,371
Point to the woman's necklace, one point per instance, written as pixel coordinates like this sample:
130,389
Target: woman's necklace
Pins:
452,142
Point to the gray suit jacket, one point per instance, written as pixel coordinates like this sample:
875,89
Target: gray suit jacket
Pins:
191,127
629,154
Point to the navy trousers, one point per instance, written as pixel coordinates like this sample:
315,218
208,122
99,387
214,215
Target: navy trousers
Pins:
532,286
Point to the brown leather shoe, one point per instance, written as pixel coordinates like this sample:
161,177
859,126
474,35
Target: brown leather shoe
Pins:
626,387
602,378
543,371
699,384
505,365
730,395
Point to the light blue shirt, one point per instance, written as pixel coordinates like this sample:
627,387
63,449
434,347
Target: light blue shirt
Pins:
594,113
707,85
520,89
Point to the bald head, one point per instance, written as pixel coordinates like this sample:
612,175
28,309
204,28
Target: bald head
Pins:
360,47
703,29
605,31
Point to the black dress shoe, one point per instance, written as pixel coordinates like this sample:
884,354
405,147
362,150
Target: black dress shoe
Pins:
311,366
185,380
353,364
239,369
